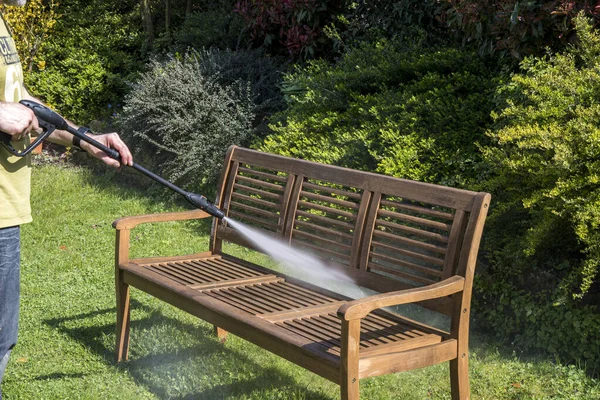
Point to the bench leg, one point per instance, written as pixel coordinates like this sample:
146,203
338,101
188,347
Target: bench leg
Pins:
349,382
123,318
459,377
221,334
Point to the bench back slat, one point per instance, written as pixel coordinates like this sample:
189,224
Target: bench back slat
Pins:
399,233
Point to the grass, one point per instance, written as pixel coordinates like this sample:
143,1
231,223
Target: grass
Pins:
66,342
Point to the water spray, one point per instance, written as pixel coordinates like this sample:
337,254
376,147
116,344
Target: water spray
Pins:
49,121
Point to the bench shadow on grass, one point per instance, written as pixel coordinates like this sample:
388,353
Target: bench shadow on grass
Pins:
161,371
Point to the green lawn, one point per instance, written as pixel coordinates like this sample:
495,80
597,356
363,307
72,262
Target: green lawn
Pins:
68,312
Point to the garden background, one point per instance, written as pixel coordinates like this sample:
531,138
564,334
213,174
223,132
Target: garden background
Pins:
498,95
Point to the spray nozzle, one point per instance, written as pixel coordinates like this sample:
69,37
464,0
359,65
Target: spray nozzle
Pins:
202,203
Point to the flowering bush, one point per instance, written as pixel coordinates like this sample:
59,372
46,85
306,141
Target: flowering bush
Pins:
294,27
514,27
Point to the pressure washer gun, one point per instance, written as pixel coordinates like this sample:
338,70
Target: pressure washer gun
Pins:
49,121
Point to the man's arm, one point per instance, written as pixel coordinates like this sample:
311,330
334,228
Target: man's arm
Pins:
64,138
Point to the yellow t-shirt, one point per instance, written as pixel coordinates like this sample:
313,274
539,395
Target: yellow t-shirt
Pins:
15,172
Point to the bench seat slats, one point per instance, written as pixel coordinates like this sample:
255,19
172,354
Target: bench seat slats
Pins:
291,308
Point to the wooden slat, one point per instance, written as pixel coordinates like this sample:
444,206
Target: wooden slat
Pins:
398,346
314,206
266,175
418,209
349,194
411,359
378,267
330,232
289,301
257,182
236,302
326,220
456,236
253,297
263,193
329,200
401,251
159,259
259,211
278,290
207,271
275,290
168,275
211,269
245,217
406,264
236,282
320,240
321,250
413,231
415,220
226,263
411,242
253,200
359,229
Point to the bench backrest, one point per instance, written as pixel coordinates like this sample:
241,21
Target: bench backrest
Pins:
389,233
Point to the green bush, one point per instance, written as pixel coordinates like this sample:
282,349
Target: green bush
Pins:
181,120
402,110
542,239
88,64
253,66
216,27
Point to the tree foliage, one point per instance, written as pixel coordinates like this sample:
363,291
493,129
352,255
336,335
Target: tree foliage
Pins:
293,28
394,108
543,237
516,28
89,62
30,26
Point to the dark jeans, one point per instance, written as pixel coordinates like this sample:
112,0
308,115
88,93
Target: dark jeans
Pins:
10,249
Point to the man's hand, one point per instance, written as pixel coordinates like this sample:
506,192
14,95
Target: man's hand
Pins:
17,120
113,141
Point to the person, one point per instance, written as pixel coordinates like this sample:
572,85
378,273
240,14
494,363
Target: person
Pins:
20,123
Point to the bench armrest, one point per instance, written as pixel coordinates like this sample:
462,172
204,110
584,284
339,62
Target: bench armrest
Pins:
133,221
360,308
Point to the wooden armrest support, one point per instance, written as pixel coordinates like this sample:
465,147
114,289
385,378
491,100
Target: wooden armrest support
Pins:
133,221
360,308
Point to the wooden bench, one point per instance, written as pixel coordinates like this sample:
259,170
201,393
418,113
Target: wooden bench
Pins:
410,242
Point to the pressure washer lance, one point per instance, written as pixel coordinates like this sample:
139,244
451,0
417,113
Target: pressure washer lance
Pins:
49,121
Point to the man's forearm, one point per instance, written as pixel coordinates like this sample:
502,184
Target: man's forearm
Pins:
110,140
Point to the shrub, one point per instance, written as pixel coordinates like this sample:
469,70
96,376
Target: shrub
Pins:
261,72
183,120
516,28
291,28
543,237
376,19
213,28
88,64
30,26
401,110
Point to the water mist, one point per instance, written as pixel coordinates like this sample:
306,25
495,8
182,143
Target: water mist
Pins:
299,264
